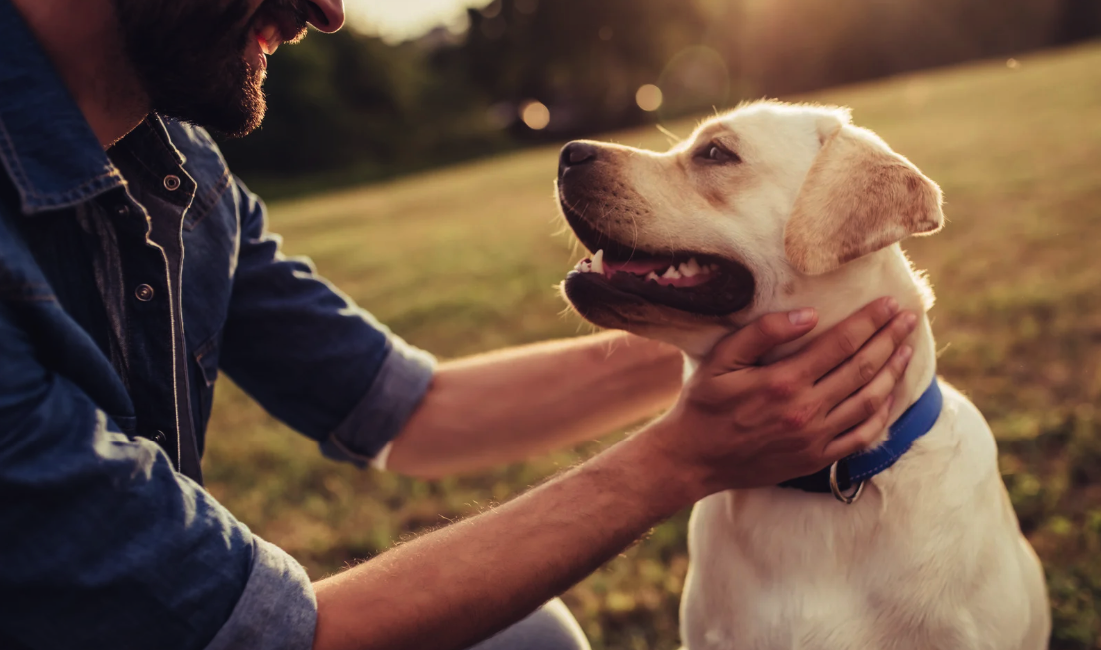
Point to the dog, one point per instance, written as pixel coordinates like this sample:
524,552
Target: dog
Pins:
774,207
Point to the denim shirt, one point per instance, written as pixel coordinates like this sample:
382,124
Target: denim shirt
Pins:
128,279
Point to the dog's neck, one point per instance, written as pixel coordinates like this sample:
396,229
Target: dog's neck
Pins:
885,273
839,294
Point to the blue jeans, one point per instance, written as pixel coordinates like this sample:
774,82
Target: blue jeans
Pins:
551,627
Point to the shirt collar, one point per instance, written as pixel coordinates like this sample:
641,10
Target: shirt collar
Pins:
46,146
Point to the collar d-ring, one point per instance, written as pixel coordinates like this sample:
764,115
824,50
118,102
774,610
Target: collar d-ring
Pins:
847,499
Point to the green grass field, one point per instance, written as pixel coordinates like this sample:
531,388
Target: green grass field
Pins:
464,259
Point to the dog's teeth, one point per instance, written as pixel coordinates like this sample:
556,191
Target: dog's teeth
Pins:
671,273
689,269
652,276
598,262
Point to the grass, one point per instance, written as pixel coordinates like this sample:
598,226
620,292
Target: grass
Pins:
463,260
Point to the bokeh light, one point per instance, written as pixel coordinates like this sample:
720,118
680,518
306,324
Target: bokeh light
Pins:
649,97
535,114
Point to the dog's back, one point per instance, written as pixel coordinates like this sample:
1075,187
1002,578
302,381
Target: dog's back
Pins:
931,556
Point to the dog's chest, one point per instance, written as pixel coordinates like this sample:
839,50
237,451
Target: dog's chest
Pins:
771,573
781,569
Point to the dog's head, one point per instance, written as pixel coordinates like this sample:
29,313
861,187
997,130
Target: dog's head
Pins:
757,206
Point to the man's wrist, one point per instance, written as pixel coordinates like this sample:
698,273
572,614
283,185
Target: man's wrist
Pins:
664,480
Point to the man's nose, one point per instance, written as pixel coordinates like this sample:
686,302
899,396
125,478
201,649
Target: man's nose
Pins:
326,15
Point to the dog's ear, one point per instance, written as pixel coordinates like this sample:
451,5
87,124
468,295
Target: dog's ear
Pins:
859,197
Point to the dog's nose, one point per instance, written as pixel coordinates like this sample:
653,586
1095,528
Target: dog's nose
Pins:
576,153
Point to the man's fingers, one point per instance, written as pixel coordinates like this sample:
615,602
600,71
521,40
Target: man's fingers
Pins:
746,346
844,339
867,402
861,437
854,374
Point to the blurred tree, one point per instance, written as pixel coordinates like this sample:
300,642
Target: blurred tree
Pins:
355,107
1079,20
584,59
349,107
787,46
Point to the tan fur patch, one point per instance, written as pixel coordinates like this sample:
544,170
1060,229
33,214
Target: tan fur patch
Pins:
858,197
716,196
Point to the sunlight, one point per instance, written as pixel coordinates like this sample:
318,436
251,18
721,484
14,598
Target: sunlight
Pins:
397,21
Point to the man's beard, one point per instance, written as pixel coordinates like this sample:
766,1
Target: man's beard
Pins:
190,57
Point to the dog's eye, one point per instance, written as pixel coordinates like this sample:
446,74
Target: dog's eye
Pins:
715,153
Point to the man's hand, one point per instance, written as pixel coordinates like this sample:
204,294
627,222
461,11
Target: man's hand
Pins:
742,425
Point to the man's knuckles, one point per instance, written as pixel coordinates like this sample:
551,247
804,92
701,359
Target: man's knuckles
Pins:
872,403
866,369
781,386
849,342
798,417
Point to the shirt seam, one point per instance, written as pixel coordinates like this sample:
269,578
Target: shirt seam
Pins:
11,159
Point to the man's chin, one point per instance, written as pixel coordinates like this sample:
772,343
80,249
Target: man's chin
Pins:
241,124
233,116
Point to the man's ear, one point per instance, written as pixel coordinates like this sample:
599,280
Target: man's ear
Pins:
858,197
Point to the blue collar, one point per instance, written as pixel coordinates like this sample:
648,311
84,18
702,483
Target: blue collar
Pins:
917,421
47,148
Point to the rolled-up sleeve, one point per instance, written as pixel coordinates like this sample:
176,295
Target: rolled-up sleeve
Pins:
277,609
310,356
104,545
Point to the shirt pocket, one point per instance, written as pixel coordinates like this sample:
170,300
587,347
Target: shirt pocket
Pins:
210,263
205,164
206,367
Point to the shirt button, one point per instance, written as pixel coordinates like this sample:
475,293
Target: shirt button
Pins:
159,437
171,182
144,292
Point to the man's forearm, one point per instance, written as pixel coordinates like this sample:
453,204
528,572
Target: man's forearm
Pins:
514,404
730,430
461,584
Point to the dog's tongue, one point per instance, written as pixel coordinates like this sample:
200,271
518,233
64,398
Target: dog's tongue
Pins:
598,264
638,268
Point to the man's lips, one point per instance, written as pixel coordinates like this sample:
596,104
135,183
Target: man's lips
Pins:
269,38
280,21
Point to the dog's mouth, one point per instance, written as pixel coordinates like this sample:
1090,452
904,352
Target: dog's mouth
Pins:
690,281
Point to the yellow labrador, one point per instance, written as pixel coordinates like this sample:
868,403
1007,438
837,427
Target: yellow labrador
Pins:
774,207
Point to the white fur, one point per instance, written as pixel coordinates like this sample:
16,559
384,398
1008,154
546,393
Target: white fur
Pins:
931,556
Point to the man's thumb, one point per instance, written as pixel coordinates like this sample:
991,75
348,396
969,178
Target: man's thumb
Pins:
746,346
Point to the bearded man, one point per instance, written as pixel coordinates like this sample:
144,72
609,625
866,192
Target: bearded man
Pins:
134,268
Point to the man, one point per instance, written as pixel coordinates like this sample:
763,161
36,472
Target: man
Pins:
134,267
